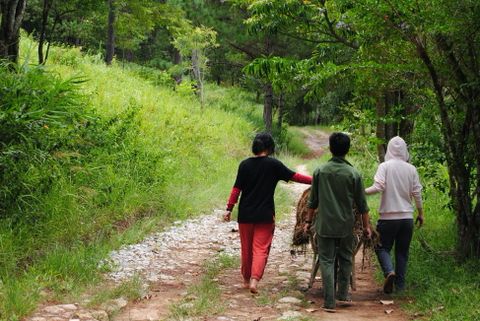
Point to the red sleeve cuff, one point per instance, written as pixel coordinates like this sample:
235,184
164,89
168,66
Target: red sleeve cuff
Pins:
300,178
232,200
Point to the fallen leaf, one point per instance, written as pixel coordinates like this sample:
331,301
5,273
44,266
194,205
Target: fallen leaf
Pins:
388,311
440,308
386,302
311,310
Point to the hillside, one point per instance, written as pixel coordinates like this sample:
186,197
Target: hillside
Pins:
117,155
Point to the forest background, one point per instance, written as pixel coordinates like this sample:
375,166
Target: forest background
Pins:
94,88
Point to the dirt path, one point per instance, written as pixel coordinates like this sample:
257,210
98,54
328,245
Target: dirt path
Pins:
170,261
316,140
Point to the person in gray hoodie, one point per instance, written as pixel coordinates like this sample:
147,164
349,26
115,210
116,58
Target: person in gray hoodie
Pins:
399,183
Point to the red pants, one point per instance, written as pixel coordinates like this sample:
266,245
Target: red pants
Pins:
255,240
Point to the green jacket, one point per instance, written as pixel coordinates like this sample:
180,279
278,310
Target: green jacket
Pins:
336,188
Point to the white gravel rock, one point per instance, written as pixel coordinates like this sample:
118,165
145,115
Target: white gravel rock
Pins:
290,300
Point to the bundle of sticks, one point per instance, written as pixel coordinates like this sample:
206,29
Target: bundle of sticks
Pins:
302,238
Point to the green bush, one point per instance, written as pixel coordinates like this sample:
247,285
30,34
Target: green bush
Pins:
92,157
40,115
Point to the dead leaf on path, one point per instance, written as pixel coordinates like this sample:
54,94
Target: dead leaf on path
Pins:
257,319
386,302
311,310
388,311
418,314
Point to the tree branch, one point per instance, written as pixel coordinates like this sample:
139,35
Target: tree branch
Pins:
246,51
334,34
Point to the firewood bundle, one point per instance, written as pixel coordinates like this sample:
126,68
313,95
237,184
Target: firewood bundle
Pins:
302,238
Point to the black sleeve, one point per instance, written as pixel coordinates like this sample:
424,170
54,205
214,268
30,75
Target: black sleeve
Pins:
283,172
240,180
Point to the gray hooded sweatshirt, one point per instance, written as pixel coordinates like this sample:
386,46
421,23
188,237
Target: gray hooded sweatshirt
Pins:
398,182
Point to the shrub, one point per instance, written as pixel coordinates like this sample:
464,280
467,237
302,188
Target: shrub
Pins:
39,116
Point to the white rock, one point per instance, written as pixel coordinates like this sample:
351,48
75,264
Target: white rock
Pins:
68,307
290,300
290,315
54,309
100,315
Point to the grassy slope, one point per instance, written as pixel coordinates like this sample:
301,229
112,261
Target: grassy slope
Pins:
188,162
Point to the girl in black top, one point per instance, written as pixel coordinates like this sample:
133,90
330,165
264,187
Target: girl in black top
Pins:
256,180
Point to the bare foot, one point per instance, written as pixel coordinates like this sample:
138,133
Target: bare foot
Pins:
246,284
253,286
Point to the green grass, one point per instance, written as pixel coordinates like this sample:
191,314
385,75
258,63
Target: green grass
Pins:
129,290
203,298
162,159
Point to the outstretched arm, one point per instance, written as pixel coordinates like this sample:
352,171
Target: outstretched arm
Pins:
378,182
300,178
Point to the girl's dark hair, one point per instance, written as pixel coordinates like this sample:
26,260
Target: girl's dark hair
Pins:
339,144
263,142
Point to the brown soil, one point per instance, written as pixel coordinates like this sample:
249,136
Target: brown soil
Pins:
316,140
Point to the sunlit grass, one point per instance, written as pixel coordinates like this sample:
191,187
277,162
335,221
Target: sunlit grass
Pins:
175,161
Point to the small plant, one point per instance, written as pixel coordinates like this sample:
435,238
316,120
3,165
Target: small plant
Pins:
131,290
203,298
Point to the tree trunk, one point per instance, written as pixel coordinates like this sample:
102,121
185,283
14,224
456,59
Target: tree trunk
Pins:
407,123
12,12
47,4
268,107
197,74
468,220
110,45
392,99
281,110
380,133
177,60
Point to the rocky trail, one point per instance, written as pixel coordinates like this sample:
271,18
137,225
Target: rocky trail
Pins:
168,263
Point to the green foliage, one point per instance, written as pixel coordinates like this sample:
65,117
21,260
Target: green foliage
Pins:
41,115
97,160
446,291
131,290
195,44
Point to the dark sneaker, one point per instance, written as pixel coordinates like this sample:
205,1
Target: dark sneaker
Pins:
388,284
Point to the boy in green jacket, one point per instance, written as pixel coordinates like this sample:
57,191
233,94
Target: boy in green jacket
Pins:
336,188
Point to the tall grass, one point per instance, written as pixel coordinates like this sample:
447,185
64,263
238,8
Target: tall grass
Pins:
145,155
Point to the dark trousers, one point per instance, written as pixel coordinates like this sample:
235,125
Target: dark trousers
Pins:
330,249
398,233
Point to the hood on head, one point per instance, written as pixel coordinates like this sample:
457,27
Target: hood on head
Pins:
397,149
